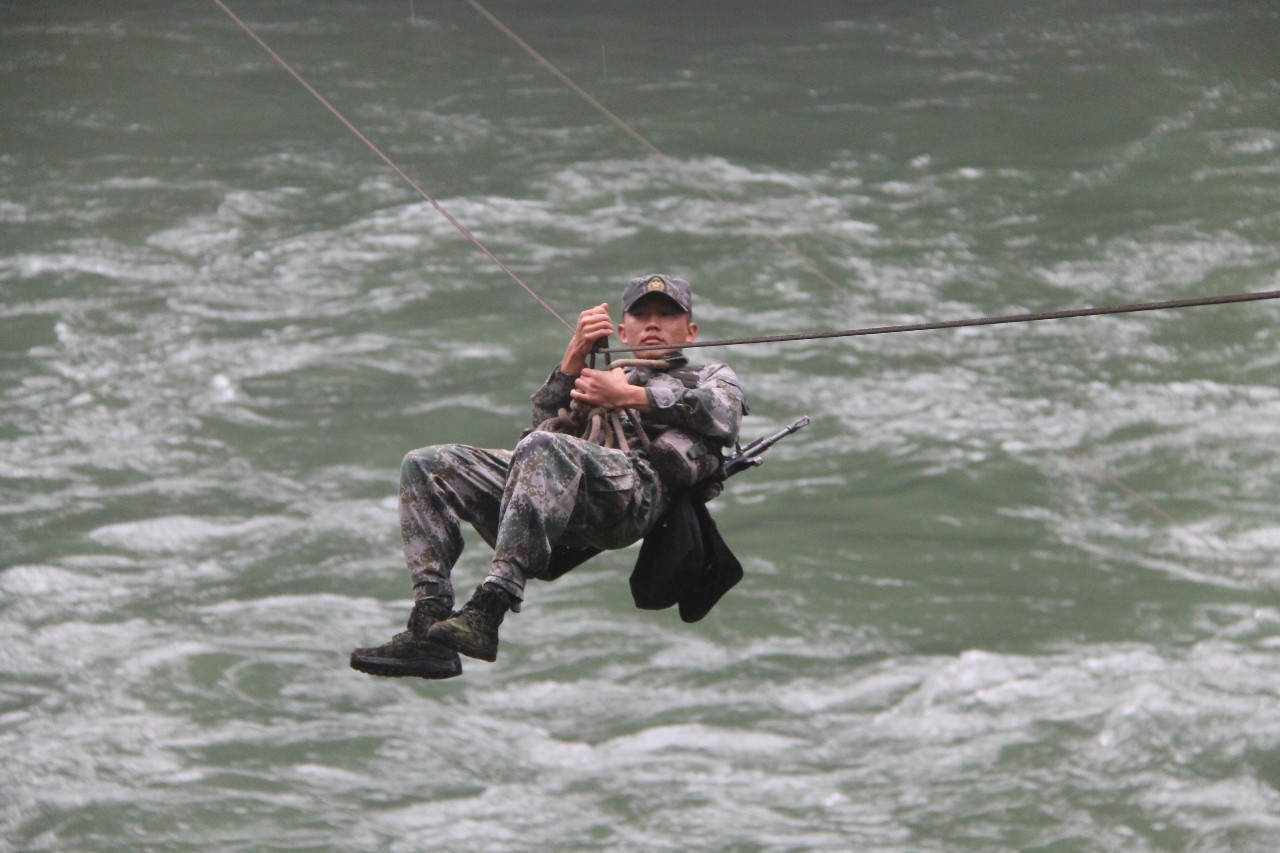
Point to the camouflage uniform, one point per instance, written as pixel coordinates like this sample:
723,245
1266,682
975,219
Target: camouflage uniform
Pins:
558,489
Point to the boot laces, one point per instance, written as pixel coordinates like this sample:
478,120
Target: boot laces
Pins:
486,609
424,615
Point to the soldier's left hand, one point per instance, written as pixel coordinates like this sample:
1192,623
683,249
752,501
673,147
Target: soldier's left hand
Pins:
608,388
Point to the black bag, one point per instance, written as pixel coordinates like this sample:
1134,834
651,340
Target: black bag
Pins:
684,561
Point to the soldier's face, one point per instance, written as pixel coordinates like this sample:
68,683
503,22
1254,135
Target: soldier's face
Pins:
655,320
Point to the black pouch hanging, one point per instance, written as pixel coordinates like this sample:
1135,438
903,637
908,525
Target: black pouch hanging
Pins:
684,561
720,571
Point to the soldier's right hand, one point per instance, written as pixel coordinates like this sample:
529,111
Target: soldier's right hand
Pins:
594,324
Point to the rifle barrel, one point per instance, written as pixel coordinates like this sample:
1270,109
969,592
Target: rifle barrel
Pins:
749,455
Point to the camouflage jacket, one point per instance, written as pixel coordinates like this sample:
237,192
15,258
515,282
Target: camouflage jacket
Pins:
694,413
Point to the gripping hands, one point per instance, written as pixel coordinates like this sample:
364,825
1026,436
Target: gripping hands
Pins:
607,388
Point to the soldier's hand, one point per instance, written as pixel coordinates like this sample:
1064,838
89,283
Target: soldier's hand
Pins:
593,325
609,388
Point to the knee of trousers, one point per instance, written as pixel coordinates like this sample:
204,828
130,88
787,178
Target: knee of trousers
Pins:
542,444
418,465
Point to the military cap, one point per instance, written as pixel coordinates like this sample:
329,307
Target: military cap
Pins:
675,289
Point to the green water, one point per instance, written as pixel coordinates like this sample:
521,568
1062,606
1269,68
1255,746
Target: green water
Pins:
1014,589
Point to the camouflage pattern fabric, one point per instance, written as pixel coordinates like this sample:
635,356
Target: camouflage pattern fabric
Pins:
553,488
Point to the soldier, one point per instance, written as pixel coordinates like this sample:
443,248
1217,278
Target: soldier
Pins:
556,489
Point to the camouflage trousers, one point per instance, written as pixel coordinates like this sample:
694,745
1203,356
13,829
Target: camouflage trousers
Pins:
552,489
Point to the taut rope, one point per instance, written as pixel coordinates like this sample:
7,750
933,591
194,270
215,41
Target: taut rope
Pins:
1132,308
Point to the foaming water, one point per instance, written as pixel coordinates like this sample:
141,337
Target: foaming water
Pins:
1013,589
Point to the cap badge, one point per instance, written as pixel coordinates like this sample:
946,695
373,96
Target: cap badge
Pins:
656,283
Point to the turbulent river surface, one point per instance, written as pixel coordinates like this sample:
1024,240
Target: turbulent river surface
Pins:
1016,588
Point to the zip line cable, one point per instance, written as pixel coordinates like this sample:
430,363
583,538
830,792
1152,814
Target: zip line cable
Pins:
394,166
1132,308
634,134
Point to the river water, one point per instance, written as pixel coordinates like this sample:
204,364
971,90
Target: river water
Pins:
1016,588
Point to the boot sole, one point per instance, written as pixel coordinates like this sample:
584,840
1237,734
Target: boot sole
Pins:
446,639
393,668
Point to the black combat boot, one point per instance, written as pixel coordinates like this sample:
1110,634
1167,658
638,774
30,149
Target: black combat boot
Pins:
474,629
410,652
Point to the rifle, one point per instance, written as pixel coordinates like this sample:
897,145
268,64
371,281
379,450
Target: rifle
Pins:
749,456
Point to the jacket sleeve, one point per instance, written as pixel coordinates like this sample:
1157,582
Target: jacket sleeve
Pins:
713,409
551,397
